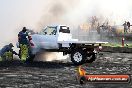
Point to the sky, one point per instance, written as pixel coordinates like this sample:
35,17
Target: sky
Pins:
14,14
34,14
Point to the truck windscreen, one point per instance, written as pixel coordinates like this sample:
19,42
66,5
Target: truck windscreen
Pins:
64,29
49,31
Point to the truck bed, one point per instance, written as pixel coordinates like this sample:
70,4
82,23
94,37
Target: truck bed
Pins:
83,42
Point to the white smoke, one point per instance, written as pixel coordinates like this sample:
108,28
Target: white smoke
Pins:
116,11
50,56
37,14
76,12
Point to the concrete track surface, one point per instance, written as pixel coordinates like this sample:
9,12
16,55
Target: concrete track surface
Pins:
62,74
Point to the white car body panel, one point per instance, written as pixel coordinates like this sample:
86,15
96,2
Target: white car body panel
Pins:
45,41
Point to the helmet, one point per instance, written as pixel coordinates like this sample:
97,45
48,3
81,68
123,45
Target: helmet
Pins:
11,45
24,29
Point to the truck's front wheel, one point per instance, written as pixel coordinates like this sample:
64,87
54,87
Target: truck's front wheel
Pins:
78,56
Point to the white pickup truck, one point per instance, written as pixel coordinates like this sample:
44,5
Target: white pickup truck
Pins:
59,39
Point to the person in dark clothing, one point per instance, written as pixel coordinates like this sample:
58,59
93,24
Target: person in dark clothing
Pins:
7,48
24,44
23,36
125,27
128,24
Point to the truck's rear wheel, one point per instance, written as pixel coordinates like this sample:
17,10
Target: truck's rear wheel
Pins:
78,57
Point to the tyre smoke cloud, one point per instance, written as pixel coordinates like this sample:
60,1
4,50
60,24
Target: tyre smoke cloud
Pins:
75,12
50,56
56,12
36,14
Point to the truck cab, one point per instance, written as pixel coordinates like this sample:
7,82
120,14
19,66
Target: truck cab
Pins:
50,36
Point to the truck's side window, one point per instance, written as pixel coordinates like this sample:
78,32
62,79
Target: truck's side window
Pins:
49,31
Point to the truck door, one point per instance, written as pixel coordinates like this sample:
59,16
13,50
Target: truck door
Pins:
49,38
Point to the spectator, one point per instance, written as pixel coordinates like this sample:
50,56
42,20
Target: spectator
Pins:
125,27
128,24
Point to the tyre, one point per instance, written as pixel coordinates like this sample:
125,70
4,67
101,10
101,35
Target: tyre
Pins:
78,56
91,58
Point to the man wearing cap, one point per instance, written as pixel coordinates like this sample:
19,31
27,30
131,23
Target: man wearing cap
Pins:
23,39
5,49
23,36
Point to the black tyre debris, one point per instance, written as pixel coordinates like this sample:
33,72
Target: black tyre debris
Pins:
92,58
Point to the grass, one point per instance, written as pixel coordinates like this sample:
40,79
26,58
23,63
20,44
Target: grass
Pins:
117,45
